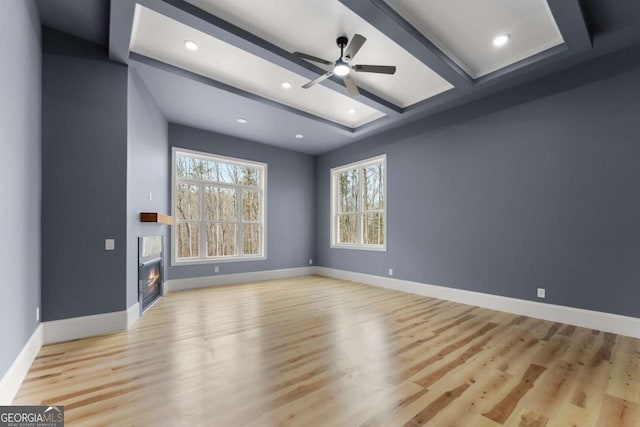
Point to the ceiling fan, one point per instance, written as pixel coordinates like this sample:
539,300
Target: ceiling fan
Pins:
342,66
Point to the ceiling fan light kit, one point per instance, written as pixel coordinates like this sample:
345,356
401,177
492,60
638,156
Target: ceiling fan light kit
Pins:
342,66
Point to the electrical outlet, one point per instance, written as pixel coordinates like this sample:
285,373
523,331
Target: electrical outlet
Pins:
150,196
310,261
216,269
37,314
109,244
542,293
391,272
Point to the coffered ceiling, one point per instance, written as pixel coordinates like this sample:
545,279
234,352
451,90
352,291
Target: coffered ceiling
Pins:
443,51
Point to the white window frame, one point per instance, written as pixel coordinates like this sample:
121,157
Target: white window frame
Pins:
262,189
335,173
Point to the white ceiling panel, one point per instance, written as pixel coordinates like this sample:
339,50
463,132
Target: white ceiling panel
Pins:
312,26
465,29
161,38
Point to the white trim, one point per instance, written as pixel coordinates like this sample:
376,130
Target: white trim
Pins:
218,260
12,380
360,163
58,331
359,247
359,213
262,190
176,285
133,314
84,326
608,322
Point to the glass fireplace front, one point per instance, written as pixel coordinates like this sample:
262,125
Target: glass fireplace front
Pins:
150,270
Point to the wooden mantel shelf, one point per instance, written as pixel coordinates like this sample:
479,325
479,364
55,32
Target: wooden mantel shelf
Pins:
156,217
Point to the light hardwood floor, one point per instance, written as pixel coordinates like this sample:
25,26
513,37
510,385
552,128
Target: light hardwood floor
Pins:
313,351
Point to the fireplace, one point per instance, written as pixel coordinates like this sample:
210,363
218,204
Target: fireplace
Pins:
150,270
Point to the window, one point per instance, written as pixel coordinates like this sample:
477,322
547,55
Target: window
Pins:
358,205
218,204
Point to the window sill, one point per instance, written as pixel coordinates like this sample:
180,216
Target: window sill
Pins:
181,263
360,248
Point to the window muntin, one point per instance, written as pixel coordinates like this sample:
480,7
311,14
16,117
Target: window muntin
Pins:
358,205
219,204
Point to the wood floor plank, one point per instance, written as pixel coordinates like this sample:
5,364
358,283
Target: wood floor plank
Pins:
429,412
618,412
528,418
456,345
589,387
552,390
485,381
383,415
312,351
503,409
573,416
624,378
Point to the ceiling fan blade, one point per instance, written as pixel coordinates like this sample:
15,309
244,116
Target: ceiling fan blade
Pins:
381,69
312,58
318,79
351,86
354,45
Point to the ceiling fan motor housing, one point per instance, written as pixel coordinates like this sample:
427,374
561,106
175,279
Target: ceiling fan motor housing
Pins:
342,43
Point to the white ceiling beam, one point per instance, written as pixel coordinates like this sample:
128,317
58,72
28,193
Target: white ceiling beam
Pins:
186,13
394,26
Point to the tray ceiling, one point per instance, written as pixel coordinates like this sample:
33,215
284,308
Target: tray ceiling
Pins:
442,49
465,29
313,26
161,38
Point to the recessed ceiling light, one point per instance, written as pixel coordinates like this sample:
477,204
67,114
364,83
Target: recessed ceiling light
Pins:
299,136
191,45
501,40
351,111
241,120
286,85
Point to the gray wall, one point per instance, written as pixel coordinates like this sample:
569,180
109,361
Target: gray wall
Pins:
147,172
290,200
84,153
534,187
20,176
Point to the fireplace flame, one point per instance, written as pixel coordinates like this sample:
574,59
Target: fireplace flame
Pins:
152,280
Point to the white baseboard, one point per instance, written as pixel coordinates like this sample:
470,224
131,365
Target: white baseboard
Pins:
11,381
86,326
133,314
176,285
615,323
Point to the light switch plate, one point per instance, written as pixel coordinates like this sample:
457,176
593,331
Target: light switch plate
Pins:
109,244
